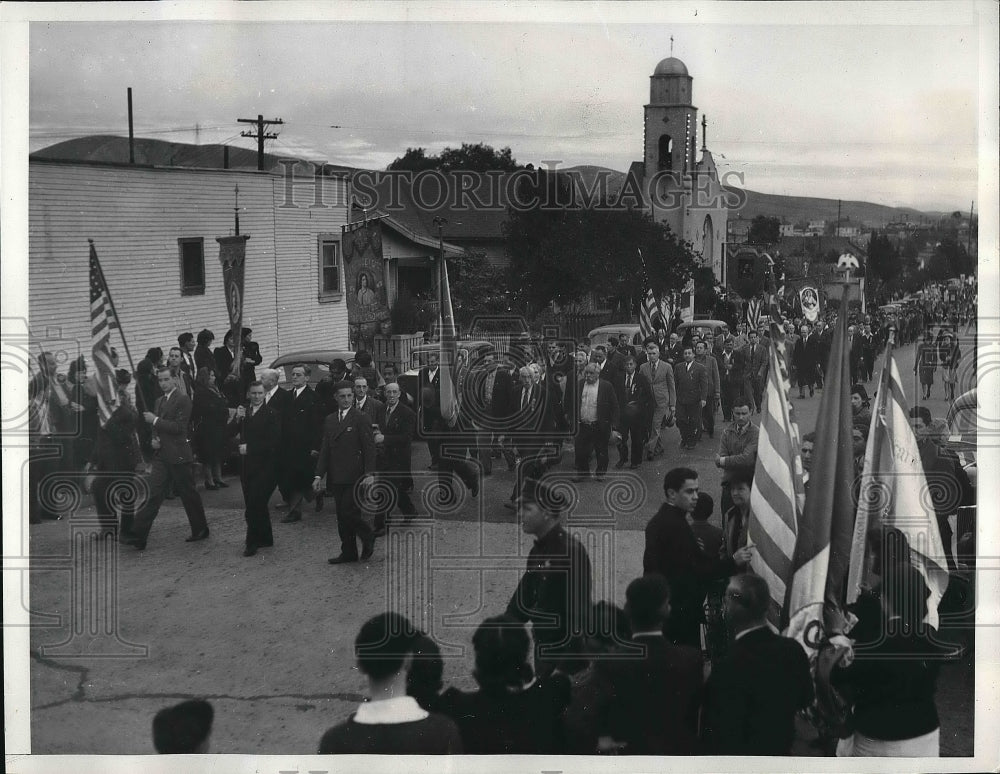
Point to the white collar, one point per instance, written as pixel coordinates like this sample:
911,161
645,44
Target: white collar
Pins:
167,396
399,709
752,629
360,403
298,390
652,633
269,393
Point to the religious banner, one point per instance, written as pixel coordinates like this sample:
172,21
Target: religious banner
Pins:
809,299
364,281
232,255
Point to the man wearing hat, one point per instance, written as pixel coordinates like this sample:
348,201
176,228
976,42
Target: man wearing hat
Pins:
554,592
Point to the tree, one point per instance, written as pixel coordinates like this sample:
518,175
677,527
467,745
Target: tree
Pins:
477,157
563,253
764,230
949,260
477,287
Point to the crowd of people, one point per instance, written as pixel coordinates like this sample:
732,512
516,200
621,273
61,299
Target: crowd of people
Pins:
556,672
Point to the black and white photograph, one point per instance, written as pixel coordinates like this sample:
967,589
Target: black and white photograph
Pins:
535,384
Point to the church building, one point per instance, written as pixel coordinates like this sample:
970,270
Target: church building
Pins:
677,187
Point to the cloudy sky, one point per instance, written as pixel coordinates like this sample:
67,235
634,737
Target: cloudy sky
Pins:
882,109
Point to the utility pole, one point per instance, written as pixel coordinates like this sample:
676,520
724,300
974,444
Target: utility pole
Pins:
131,134
261,134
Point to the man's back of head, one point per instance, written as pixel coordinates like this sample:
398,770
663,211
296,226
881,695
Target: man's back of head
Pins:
747,601
647,601
183,728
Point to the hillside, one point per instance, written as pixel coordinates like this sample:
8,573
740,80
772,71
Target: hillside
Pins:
791,209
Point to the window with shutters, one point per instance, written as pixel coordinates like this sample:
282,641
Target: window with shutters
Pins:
192,256
329,269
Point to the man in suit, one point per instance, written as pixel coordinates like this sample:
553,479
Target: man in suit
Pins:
477,398
660,376
731,369
672,551
301,436
635,399
738,449
368,405
259,428
392,460
175,360
607,368
756,370
429,400
648,704
336,373
186,343
754,693
598,415
390,375
740,340
235,388
347,459
171,462
692,386
616,356
804,360
277,400
704,357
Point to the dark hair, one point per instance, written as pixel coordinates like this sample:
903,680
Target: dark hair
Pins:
741,476
650,340
610,625
154,354
205,337
304,366
184,338
382,644
754,596
809,438
644,601
905,592
631,359
602,347
78,365
704,507
889,546
676,477
168,369
921,411
202,378
337,364
501,644
183,727
343,384
254,383
228,337
363,358
740,402
547,497
424,680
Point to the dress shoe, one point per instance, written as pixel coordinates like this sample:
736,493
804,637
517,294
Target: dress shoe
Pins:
474,489
137,543
367,549
249,551
221,484
211,487
195,538
292,517
620,464
268,544
649,456
342,559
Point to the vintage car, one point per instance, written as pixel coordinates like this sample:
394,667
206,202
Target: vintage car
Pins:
468,352
318,361
603,333
717,327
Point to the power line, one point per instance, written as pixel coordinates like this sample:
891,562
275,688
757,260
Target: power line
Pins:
261,134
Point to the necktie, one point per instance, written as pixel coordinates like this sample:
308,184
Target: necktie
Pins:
342,413
630,384
524,398
653,370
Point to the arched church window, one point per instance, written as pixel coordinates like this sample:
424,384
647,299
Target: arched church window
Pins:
666,158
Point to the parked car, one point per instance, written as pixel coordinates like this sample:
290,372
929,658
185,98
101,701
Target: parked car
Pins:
717,327
468,352
317,359
962,420
600,335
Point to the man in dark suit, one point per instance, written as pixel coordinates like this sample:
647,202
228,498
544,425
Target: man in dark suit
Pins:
635,402
754,693
392,460
259,428
337,372
672,551
598,415
186,343
692,386
804,360
277,400
366,403
347,459
648,704
235,388
429,401
171,462
606,366
301,435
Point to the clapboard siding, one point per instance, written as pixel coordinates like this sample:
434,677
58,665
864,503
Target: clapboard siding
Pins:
135,216
305,321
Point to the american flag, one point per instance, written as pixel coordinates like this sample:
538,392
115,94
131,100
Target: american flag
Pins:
649,310
448,348
102,320
777,498
753,314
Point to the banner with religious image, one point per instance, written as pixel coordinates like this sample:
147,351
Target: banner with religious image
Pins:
364,281
232,255
809,299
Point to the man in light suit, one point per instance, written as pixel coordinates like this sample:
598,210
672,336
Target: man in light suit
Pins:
171,462
755,373
692,396
598,414
704,357
660,376
347,459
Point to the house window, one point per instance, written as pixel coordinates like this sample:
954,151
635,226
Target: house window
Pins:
192,254
329,268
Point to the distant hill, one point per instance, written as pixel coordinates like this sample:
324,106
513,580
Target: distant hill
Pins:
791,209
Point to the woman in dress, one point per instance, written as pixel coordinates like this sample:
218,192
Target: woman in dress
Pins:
209,416
949,356
860,407
925,364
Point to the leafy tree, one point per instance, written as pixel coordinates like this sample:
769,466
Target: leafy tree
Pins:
477,157
563,253
764,230
949,260
477,287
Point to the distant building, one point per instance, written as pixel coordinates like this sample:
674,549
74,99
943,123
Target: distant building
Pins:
676,186
848,231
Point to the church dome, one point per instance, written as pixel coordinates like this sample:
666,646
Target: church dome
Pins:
670,66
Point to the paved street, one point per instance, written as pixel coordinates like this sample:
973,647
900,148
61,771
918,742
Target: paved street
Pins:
269,638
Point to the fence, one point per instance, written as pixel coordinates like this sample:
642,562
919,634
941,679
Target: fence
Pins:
396,349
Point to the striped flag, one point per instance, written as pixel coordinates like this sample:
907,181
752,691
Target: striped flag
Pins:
102,320
753,314
893,492
649,310
448,338
777,498
824,535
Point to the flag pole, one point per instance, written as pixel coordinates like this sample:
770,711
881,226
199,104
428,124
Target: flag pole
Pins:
111,302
